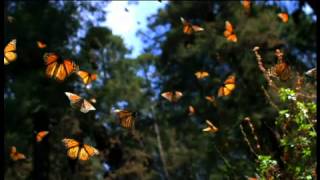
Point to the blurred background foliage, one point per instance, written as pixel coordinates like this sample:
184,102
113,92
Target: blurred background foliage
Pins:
166,143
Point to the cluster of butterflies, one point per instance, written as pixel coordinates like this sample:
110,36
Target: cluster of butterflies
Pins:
60,69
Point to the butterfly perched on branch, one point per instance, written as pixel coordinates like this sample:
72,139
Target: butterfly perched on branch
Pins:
79,102
57,68
228,86
281,69
79,150
10,54
15,155
189,28
228,33
172,96
126,118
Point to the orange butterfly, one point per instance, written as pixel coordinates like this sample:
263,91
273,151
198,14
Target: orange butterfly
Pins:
173,96
87,77
228,86
15,155
77,101
77,150
57,68
191,110
210,128
282,70
284,17
201,74
41,44
211,99
41,134
228,33
9,52
126,118
246,4
189,28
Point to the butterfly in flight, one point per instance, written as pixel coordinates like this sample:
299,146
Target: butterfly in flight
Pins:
57,68
201,74
228,86
173,96
126,118
77,150
312,72
41,45
211,99
86,77
10,54
15,155
228,33
284,17
246,4
191,110
77,101
210,128
40,135
189,28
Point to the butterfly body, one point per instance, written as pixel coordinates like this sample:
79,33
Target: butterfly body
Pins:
228,33
57,68
15,155
10,54
210,128
126,118
79,150
173,96
77,101
189,28
228,86
86,77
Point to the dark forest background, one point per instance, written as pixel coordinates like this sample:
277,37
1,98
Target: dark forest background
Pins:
166,143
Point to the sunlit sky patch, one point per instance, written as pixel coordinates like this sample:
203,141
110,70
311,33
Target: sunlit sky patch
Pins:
125,24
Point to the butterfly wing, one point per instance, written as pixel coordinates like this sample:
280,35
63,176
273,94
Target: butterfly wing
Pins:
167,95
86,106
232,38
9,52
196,28
201,74
70,143
73,152
41,44
282,70
40,135
74,99
126,118
228,87
16,155
284,17
191,110
228,27
87,151
84,76
246,4
177,95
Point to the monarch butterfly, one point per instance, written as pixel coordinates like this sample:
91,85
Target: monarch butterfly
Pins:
15,155
201,74
284,17
191,110
173,96
246,4
211,99
41,44
9,52
126,118
57,68
228,86
312,72
77,150
41,134
228,33
78,101
210,128
281,70
189,28
86,77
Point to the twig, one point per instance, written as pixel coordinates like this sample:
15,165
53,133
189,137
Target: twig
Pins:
248,120
247,141
269,99
262,68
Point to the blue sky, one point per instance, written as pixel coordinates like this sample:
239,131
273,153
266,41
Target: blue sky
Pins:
125,24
